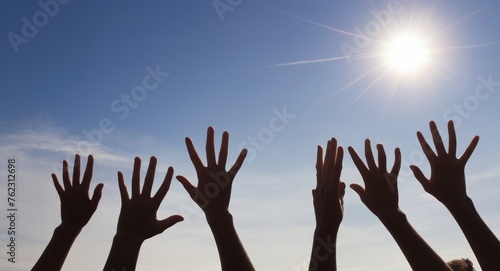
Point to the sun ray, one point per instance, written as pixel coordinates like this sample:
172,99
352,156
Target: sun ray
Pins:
446,77
367,89
347,86
356,80
313,22
455,23
301,62
465,46
393,88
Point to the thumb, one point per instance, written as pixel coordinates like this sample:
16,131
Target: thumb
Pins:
96,197
359,190
341,189
187,185
420,177
169,222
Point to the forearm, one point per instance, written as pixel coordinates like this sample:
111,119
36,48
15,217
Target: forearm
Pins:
231,251
482,240
419,254
123,254
324,250
57,250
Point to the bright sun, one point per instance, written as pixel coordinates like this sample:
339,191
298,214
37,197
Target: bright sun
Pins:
407,53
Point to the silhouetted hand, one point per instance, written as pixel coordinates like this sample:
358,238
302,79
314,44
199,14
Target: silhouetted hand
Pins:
328,197
380,194
328,201
76,210
447,184
447,180
213,194
138,214
137,221
76,206
213,191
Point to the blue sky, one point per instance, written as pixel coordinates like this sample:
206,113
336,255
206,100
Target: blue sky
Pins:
125,79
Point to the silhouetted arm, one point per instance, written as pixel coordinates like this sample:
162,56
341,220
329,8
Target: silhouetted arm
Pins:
447,184
380,195
137,221
76,210
328,201
212,194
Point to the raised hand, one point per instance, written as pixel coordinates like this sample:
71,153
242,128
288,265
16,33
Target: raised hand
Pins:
137,221
447,184
213,191
328,201
76,206
213,194
138,213
447,180
76,210
328,197
380,194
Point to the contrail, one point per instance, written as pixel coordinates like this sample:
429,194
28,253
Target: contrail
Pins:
319,60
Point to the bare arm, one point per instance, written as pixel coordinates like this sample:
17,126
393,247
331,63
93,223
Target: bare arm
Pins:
212,194
447,184
76,210
328,201
380,195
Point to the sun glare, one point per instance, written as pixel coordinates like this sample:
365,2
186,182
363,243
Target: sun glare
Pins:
407,53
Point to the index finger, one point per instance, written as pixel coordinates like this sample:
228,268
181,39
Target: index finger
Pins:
358,162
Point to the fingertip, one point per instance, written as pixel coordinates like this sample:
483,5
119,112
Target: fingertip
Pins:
181,178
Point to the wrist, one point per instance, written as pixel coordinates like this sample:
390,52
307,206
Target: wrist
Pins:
464,204
128,240
393,218
68,230
219,218
323,229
